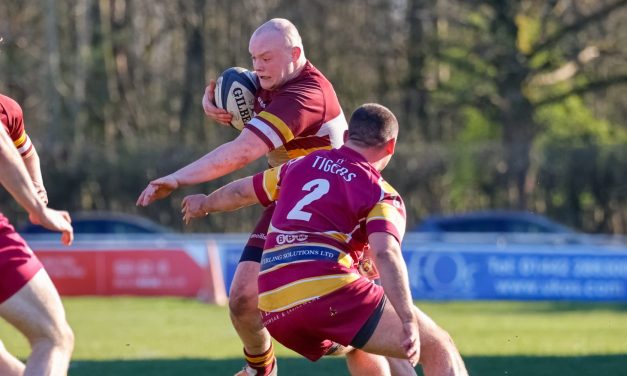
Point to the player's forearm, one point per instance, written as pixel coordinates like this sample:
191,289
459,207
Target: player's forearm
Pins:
232,196
213,165
395,284
34,171
15,178
393,275
224,159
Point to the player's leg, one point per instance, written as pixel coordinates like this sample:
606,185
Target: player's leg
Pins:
362,363
37,312
368,269
243,299
438,354
246,320
9,365
400,367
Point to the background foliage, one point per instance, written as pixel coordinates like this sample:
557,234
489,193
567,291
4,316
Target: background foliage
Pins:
503,104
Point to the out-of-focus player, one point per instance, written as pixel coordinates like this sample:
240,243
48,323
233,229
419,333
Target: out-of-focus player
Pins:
28,299
329,206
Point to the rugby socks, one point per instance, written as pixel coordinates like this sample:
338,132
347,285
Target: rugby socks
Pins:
263,363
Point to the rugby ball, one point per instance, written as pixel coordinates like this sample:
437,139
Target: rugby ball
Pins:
235,91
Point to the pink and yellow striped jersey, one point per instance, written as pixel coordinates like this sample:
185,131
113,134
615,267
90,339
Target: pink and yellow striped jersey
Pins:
300,117
327,204
13,120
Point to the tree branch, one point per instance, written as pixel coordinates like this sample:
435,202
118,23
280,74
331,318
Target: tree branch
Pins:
567,70
464,65
589,87
576,26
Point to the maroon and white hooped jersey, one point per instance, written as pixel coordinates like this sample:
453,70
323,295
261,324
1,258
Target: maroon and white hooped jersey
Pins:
302,116
327,204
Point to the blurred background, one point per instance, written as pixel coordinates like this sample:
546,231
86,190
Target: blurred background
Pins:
513,120
516,105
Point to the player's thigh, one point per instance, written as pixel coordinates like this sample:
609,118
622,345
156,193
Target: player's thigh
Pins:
36,309
244,281
388,335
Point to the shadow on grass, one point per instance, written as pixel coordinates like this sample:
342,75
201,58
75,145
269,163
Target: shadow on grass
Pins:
477,365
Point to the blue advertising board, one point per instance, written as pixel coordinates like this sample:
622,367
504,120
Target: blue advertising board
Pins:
495,270
515,272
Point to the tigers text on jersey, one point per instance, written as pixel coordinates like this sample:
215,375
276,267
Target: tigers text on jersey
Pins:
13,120
302,116
327,204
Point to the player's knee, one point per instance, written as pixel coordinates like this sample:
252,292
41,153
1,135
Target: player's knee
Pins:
66,337
440,341
63,336
243,303
59,335
445,338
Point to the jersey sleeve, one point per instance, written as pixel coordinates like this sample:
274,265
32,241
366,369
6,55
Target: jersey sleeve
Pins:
388,214
289,114
14,125
266,184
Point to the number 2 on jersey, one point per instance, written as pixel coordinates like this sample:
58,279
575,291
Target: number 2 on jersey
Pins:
318,188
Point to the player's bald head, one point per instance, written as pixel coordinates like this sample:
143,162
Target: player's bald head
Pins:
372,125
280,28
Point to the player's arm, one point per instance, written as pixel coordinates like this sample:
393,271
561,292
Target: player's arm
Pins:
15,178
232,196
262,188
33,167
395,281
224,159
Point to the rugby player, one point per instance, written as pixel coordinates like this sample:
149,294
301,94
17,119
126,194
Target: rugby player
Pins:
28,299
297,112
330,205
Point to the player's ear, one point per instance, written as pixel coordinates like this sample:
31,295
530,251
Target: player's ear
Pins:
296,52
390,146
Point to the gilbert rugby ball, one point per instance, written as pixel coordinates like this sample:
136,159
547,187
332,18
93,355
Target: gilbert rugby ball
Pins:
235,92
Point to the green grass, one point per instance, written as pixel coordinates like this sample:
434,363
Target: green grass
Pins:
169,336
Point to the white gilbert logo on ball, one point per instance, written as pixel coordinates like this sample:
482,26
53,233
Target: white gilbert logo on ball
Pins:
235,92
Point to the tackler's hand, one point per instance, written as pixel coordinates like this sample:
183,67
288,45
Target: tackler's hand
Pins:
193,207
411,343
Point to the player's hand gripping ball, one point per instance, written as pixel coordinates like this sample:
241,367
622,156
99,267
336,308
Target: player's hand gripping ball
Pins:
235,92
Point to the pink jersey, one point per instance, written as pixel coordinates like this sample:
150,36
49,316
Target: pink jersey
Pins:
302,116
334,200
13,120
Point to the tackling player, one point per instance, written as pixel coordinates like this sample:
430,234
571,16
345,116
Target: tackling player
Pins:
28,299
329,206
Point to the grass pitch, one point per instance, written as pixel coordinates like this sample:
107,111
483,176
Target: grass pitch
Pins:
170,336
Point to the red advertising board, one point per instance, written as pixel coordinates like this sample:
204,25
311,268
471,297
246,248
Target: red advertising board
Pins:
123,272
